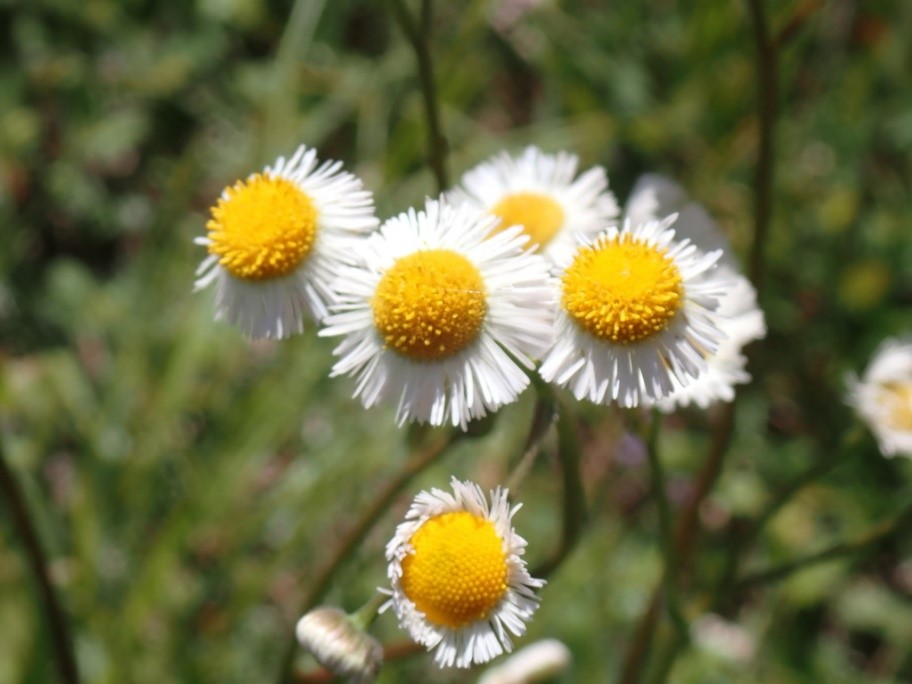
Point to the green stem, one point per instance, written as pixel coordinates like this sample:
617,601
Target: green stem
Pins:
419,37
543,416
416,464
865,542
574,503
56,617
660,493
365,615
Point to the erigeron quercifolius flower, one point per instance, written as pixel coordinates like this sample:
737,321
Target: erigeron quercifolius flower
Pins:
458,582
883,396
637,311
543,194
275,241
441,316
740,318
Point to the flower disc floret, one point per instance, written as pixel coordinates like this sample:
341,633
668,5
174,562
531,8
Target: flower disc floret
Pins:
262,228
457,571
622,290
540,216
430,304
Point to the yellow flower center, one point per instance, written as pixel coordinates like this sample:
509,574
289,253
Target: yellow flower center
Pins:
263,228
430,304
897,400
458,571
622,290
539,215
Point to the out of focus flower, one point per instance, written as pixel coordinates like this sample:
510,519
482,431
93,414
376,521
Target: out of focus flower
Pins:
541,193
883,397
339,644
440,317
740,319
275,241
637,311
533,663
458,580
726,639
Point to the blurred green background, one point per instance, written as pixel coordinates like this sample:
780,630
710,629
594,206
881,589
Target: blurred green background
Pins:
188,484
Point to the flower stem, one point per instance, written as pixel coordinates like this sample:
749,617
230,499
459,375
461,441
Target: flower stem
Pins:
767,96
574,502
864,543
659,491
419,37
57,622
417,463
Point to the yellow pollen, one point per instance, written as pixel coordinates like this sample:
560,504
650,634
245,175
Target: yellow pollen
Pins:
263,228
539,215
896,398
458,571
622,290
429,305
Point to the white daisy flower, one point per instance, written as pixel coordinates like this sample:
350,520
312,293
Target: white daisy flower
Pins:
637,309
458,580
740,319
883,397
538,192
441,316
275,239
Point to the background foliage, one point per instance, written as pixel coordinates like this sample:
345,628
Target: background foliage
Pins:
188,484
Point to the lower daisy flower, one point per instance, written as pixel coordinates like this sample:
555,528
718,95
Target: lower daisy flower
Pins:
740,319
440,316
883,397
275,239
541,193
637,309
459,583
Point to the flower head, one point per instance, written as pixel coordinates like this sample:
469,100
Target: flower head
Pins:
459,583
883,397
275,239
739,317
439,317
637,308
540,193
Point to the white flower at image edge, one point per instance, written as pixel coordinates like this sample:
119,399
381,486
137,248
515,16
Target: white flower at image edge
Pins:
542,193
459,585
883,396
637,312
440,317
276,239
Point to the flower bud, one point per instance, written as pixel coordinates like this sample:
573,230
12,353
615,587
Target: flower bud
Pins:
534,663
339,644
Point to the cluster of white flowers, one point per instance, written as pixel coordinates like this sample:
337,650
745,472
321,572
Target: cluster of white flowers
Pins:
527,266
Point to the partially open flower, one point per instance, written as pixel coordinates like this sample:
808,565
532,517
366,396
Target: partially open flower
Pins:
339,644
883,397
542,193
459,583
275,240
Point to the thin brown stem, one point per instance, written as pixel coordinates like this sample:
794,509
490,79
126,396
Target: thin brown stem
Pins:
61,639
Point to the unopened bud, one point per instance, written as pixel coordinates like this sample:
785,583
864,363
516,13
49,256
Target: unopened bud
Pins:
534,663
340,645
